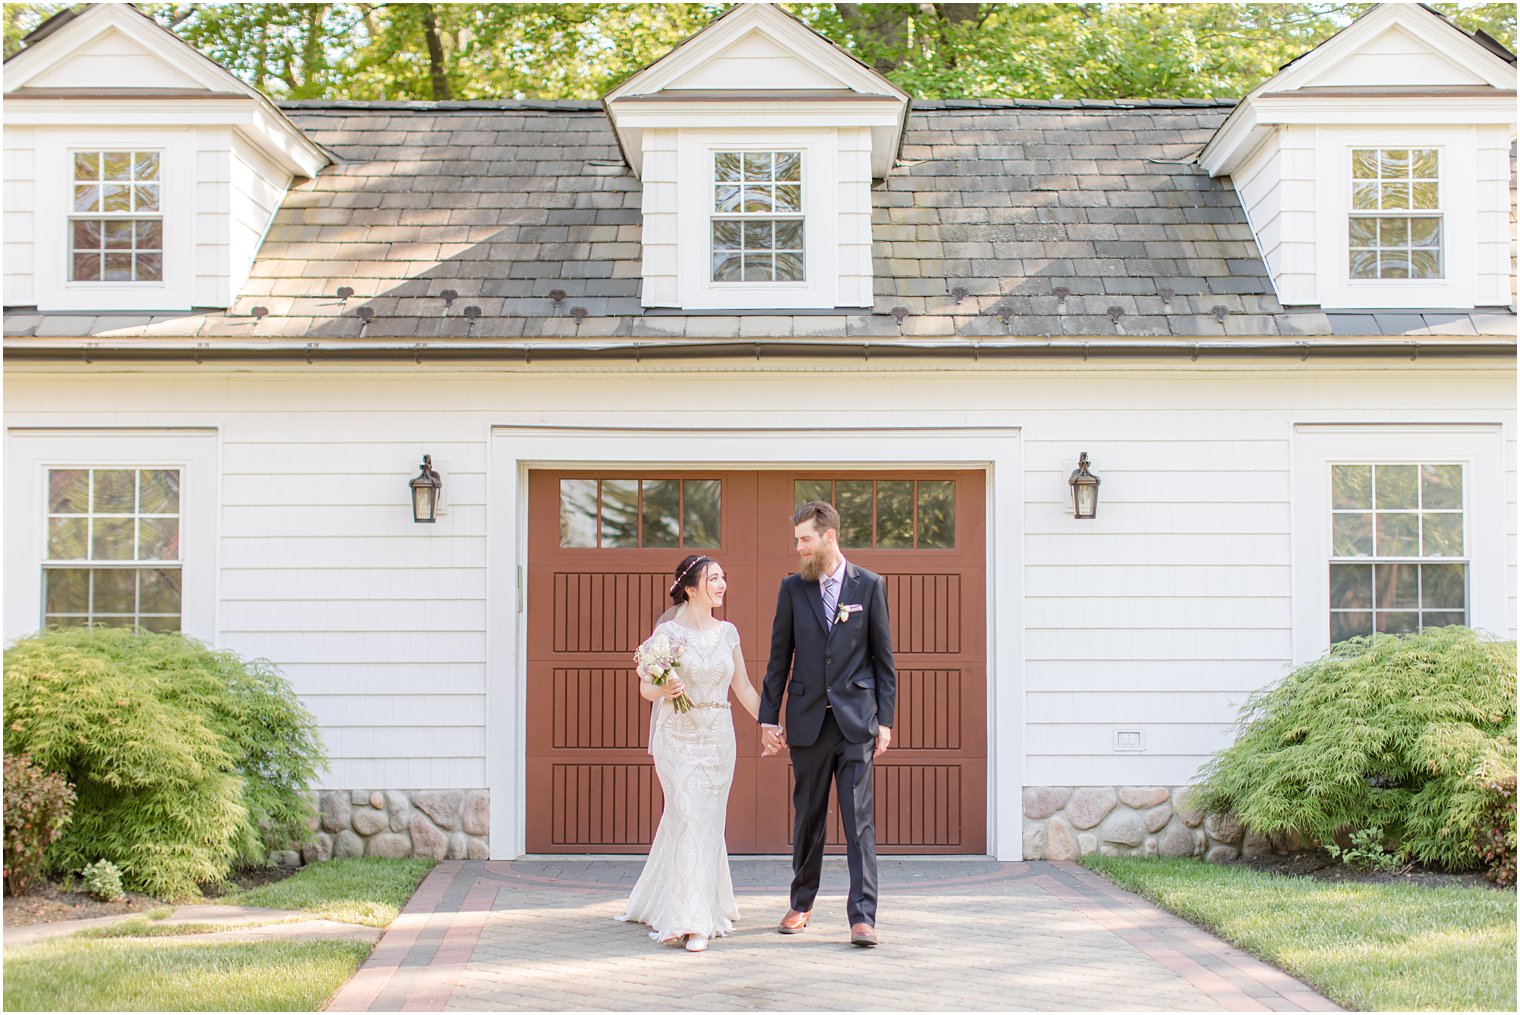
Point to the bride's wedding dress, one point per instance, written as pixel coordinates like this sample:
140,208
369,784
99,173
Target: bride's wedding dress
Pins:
685,887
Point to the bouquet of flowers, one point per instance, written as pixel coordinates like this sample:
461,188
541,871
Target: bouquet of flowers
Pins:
656,661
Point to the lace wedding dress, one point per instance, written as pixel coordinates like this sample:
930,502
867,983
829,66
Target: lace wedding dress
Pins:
685,887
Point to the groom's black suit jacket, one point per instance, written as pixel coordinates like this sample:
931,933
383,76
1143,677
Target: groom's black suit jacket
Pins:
849,667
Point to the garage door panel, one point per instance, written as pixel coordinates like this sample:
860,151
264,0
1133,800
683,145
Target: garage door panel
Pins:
591,783
598,709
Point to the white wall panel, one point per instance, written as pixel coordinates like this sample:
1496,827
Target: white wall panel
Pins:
1162,614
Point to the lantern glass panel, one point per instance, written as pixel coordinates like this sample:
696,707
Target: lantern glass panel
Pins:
1087,500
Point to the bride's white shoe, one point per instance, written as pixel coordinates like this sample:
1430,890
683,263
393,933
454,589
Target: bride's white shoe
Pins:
696,943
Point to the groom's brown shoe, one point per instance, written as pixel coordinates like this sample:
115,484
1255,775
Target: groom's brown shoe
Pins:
863,935
793,922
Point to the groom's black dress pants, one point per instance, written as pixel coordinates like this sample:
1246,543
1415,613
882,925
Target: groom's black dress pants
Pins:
833,758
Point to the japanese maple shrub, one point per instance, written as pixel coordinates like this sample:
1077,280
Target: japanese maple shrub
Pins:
1391,732
186,760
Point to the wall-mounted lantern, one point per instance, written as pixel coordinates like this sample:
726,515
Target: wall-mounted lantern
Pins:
1084,490
425,491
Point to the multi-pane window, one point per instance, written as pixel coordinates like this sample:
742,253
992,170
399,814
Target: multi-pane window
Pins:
632,513
1396,213
887,514
116,228
113,548
1398,548
757,223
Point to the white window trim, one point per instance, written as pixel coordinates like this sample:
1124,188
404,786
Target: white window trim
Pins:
1456,148
30,453
178,195
1478,447
819,290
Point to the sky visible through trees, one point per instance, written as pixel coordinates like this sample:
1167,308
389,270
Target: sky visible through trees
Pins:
581,50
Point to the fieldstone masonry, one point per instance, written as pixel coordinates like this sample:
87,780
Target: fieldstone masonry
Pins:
444,824
1065,822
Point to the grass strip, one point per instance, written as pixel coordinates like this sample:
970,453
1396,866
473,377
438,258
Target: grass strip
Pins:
362,890
1372,947
124,975
140,927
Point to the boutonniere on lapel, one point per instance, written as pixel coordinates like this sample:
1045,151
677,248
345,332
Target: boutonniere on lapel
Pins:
845,609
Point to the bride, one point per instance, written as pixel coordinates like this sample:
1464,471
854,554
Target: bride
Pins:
685,892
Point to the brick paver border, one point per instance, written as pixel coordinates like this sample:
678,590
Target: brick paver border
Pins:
419,962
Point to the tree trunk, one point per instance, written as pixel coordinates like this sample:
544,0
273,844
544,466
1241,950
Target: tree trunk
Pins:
435,54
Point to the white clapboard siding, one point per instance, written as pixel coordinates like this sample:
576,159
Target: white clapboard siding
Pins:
1277,186
1211,579
1162,614
20,200
369,710
1495,226
261,581
1173,675
110,61
257,188
1096,736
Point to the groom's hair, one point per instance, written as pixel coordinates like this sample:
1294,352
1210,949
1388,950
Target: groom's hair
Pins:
820,512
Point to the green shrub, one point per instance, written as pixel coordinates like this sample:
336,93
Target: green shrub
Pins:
1366,852
1496,828
1388,731
38,804
185,759
102,879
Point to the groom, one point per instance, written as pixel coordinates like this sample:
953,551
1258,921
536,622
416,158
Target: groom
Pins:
831,633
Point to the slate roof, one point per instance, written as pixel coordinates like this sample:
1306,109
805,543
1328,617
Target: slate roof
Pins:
520,220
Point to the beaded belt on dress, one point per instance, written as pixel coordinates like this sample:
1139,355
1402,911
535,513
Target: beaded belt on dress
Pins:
710,704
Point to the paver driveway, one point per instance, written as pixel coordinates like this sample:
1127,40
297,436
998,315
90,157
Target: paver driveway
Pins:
963,934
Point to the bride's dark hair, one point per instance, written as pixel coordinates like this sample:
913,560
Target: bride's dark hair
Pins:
688,573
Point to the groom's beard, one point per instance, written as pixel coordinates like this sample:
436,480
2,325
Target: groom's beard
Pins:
815,567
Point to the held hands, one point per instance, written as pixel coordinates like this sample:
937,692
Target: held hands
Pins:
773,741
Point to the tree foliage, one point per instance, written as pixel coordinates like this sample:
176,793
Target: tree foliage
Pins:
1397,732
581,50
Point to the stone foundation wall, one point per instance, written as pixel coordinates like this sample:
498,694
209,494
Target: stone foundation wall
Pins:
1064,822
444,824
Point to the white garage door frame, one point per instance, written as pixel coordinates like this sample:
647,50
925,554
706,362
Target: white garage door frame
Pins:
517,448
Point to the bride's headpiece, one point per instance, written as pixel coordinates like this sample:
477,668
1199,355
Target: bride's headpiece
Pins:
677,583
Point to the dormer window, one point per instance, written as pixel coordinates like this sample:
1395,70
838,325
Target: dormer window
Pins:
116,228
1396,213
757,222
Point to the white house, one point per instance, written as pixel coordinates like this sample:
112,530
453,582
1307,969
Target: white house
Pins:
1282,331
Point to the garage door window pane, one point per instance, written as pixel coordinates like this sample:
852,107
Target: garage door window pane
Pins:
936,514
804,490
655,513
620,513
577,512
894,514
887,514
856,512
702,511
662,512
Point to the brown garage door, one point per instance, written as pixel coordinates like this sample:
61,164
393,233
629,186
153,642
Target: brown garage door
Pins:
601,549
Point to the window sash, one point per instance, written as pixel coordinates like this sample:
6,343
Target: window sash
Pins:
1376,260
1373,616
780,175
141,262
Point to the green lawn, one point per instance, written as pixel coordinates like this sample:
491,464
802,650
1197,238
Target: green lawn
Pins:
1365,946
124,972
363,890
72,974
